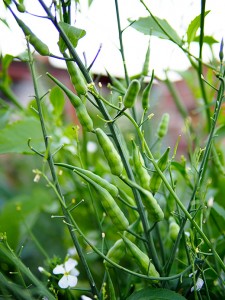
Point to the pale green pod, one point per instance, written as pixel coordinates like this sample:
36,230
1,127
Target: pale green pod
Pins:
141,259
112,156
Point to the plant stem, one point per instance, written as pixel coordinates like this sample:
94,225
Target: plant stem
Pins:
121,43
200,70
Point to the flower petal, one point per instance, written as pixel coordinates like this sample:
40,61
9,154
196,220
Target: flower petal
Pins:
198,285
74,272
83,297
72,280
63,282
59,269
70,264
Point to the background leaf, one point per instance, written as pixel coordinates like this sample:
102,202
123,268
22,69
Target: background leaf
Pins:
148,26
73,34
57,99
193,27
210,40
14,137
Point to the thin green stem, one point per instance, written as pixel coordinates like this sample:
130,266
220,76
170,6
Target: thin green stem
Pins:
200,69
121,42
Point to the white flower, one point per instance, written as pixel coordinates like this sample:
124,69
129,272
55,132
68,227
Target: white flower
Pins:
85,298
69,272
198,285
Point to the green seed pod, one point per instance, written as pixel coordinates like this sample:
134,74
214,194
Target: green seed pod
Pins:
163,125
115,253
146,94
140,171
112,156
112,189
20,7
77,103
38,45
131,93
84,117
111,207
76,77
156,180
146,63
155,212
174,229
141,258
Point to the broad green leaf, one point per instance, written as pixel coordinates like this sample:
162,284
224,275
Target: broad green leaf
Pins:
219,209
193,27
14,137
57,99
155,294
207,40
148,26
73,34
22,208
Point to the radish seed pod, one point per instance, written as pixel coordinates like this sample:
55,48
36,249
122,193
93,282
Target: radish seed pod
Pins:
141,258
111,207
77,103
146,94
131,93
76,77
38,45
111,188
141,172
112,156
174,229
163,125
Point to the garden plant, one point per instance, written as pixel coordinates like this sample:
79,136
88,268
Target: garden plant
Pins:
110,208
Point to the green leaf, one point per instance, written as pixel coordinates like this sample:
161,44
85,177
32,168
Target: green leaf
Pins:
155,294
14,137
193,27
148,26
207,40
57,99
22,208
73,34
219,209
